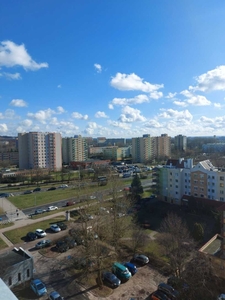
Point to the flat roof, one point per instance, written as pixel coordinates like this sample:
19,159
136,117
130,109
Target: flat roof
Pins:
214,247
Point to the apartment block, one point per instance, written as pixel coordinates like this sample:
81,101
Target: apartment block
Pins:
180,142
74,149
142,149
40,150
180,178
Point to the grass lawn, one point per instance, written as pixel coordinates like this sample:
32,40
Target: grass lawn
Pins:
2,244
4,225
18,234
45,197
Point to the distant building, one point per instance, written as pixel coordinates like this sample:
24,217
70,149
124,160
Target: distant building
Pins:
16,267
10,157
161,146
142,149
40,150
213,148
180,142
74,149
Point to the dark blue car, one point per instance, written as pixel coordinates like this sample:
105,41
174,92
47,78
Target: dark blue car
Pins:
131,267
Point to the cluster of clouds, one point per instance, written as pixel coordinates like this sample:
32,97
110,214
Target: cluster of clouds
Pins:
131,120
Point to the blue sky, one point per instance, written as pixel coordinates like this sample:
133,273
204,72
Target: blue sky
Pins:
115,68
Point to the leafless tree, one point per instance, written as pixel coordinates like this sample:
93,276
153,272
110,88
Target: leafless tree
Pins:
139,238
176,242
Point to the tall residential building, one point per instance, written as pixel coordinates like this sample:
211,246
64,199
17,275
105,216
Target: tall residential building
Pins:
180,142
142,149
74,149
162,146
40,150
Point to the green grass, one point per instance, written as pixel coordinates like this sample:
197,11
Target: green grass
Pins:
7,224
18,234
45,197
2,244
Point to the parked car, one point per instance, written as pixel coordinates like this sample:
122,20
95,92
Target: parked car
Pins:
40,233
65,244
51,188
62,225
140,259
39,211
38,287
110,279
168,290
55,296
70,203
4,195
43,244
121,271
159,295
31,236
131,267
55,228
63,186
38,189
28,192
51,208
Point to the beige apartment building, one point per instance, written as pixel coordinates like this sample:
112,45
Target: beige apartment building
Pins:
74,149
40,150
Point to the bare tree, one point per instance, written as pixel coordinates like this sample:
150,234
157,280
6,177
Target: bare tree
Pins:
139,238
176,242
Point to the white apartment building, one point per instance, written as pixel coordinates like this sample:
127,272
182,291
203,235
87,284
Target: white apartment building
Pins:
74,149
40,150
180,177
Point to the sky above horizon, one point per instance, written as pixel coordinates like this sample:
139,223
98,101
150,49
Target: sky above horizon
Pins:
115,68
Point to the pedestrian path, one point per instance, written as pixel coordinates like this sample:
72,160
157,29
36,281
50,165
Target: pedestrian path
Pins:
11,211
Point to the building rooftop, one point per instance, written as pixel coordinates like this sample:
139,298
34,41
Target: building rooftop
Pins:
213,246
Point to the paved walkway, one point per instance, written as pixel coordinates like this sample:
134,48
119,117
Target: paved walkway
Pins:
19,218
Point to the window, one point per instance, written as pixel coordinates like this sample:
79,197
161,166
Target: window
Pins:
28,273
221,184
221,198
221,177
19,276
213,191
213,177
221,192
10,280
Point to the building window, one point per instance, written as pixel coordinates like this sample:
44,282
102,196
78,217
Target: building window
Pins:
221,198
212,191
221,177
28,273
213,177
221,184
19,276
10,280
221,192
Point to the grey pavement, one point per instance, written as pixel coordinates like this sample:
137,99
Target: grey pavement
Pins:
19,219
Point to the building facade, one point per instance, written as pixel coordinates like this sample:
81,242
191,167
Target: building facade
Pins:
180,142
40,150
142,149
74,149
180,178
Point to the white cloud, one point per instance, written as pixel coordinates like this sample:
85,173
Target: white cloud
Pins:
156,95
196,100
153,124
79,116
3,128
180,103
110,106
12,55
101,114
91,127
12,76
170,95
218,105
59,86
60,110
124,126
132,82
42,115
213,80
18,103
98,68
175,114
130,115
129,101
26,123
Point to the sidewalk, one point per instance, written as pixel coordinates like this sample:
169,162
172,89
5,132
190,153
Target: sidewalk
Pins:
19,218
